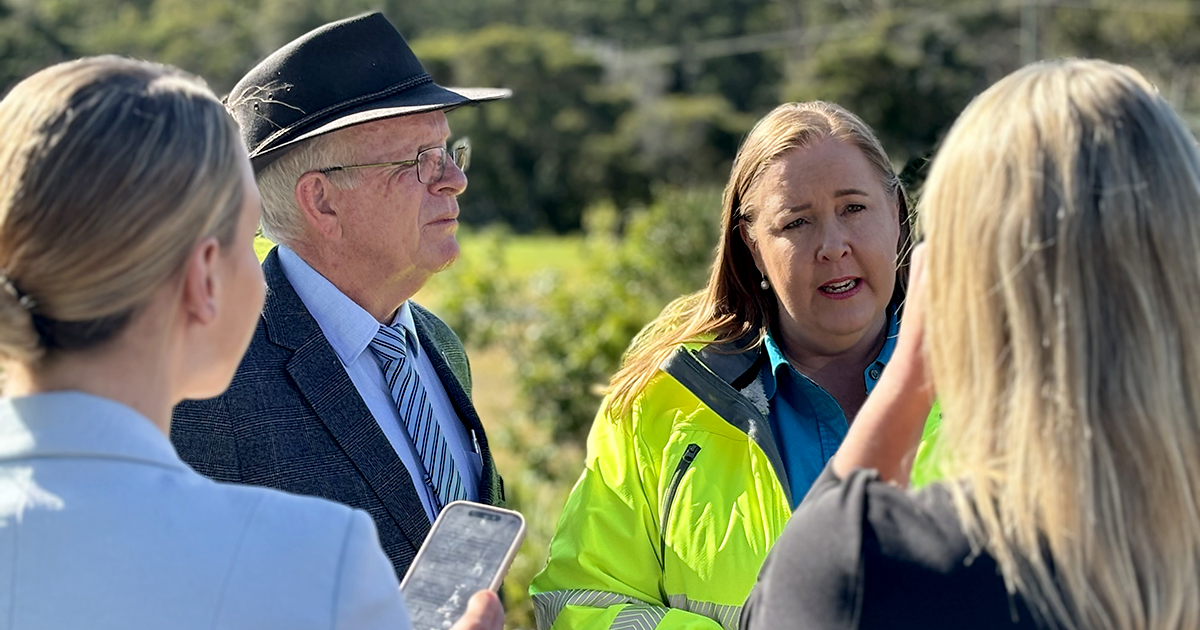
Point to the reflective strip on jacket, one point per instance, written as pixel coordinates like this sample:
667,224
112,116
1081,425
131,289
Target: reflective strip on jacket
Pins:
676,509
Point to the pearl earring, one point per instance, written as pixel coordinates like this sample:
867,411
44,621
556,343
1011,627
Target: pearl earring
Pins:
764,284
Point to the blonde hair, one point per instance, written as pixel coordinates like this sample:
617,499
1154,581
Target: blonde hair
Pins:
110,171
1063,221
282,220
732,305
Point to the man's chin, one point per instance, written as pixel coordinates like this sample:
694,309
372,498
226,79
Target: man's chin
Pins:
450,254
446,265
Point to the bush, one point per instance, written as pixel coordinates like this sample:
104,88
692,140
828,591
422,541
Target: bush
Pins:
474,296
567,331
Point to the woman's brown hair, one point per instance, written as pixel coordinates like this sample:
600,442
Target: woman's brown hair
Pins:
732,305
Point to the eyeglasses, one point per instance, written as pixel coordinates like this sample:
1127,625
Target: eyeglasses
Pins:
431,162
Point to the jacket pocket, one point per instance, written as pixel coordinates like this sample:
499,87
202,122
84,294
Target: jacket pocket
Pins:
689,455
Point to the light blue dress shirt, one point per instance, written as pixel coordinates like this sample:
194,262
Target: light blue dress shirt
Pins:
808,423
103,527
349,329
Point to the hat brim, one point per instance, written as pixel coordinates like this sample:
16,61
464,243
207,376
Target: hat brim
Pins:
425,98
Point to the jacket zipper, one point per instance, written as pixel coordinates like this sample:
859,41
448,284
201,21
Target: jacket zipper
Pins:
689,454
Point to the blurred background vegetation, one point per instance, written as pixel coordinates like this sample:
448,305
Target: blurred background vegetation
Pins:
595,190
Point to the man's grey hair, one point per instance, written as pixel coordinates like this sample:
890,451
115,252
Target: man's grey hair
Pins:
282,220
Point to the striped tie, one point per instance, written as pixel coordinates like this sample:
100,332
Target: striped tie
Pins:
391,346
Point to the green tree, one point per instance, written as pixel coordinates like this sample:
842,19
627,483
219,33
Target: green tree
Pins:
546,154
1157,38
27,42
907,74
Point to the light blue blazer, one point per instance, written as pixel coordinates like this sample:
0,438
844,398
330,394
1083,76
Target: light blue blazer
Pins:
102,526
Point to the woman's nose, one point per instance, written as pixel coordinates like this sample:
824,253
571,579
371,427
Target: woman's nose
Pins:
834,243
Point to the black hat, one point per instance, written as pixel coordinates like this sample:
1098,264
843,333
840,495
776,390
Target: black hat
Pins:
341,74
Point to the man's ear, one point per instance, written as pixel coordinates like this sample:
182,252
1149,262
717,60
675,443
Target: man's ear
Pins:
201,282
315,198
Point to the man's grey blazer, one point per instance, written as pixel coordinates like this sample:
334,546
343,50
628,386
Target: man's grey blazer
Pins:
293,420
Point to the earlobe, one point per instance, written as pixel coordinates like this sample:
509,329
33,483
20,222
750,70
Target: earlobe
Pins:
314,197
201,282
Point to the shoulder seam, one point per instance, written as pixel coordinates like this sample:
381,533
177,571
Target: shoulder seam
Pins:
337,589
233,560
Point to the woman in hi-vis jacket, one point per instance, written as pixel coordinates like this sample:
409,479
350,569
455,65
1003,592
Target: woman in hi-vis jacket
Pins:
728,406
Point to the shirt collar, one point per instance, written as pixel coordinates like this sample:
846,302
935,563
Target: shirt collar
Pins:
348,327
776,360
404,319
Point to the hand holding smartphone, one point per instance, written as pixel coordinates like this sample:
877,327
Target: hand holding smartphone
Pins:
469,549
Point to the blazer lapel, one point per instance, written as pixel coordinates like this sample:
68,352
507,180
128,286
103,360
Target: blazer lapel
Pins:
319,376
462,404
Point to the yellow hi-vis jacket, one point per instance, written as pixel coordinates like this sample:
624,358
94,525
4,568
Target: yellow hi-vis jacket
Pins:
677,507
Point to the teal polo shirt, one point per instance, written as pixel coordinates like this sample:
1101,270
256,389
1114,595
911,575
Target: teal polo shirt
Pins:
808,423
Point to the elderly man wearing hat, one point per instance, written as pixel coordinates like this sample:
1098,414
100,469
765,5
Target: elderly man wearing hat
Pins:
350,391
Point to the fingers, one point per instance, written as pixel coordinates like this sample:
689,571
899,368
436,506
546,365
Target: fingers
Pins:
916,264
918,252
484,612
913,326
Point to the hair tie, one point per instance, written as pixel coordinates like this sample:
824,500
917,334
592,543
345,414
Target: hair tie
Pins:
24,299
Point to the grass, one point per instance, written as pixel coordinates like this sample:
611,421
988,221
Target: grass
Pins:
524,255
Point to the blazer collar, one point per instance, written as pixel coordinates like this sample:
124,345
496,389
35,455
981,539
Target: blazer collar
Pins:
288,323
75,424
318,374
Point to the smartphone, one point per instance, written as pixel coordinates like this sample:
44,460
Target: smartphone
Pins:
469,548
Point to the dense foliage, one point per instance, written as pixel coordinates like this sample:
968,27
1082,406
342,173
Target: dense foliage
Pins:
615,97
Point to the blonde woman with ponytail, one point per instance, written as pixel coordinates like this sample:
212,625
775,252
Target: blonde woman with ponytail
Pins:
128,282
1056,320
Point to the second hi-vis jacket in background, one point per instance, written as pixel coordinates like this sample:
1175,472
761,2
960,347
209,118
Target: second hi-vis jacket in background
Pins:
677,507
